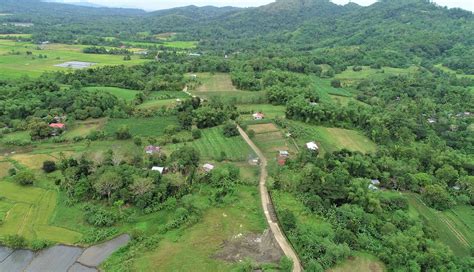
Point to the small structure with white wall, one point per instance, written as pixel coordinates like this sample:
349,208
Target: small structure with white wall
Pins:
258,116
159,169
312,146
208,167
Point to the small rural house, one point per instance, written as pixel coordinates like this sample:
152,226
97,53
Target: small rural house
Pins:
159,169
258,116
152,149
208,167
431,120
57,126
283,153
312,146
373,187
375,182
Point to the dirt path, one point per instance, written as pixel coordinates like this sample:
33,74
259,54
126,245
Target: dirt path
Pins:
268,205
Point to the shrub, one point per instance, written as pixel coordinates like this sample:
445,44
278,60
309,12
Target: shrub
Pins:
37,245
286,264
11,172
15,241
97,235
336,83
123,133
437,197
357,68
196,133
24,178
49,166
251,133
230,130
99,217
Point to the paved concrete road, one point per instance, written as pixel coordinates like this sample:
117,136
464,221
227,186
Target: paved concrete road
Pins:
268,206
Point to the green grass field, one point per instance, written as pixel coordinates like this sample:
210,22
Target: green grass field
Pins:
16,66
142,126
126,94
453,227
219,86
213,142
270,111
350,76
170,44
15,36
27,211
84,128
333,139
193,249
324,88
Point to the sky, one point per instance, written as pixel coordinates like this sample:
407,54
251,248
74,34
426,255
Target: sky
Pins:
163,4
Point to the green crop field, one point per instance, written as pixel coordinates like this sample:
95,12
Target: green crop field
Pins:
16,36
270,111
324,88
454,227
219,86
194,249
170,44
142,126
367,72
26,211
126,94
213,142
16,66
84,128
333,139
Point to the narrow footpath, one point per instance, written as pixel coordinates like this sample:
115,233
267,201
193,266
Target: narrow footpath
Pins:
268,205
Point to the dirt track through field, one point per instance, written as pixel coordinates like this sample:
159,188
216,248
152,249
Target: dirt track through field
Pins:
268,208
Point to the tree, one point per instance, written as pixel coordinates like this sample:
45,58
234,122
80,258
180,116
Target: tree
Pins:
336,83
287,219
137,141
40,130
196,133
49,166
447,174
142,186
107,183
230,130
24,178
15,241
184,159
437,197
123,133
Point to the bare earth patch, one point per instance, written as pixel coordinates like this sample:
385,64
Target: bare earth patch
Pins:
261,248
263,128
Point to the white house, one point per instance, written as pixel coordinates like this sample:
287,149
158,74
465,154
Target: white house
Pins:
258,116
159,169
208,167
373,187
284,153
312,146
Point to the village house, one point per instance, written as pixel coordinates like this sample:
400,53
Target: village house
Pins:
162,170
431,120
312,146
208,167
283,153
152,149
258,116
57,128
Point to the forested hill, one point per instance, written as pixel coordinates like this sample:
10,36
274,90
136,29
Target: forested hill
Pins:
395,33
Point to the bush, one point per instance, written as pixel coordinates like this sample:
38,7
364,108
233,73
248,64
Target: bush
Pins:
288,220
286,264
11,172
437,197
97,235
24,178
15,242
99,217
357,68
37,245
196,133
49,166
251,133
336,83
230,130
123,133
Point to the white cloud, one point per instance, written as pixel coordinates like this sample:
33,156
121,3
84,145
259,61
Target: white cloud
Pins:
163,4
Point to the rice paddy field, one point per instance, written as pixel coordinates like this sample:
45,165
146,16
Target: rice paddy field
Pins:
453,227
154,126
15,63
333,139
26,211
125,94
212,143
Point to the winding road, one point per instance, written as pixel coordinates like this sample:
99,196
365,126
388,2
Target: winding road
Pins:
268,208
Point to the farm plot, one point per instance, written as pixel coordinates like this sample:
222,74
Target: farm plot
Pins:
84,128
195,249
450,227
213,144
270,111
220,86
27,210
31,64
4,167
332,139
126,94
32,161
142,126
270,140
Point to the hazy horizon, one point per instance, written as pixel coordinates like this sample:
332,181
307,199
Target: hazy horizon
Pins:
151,5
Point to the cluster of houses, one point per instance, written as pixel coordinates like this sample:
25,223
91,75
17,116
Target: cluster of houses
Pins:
283,155
151,149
